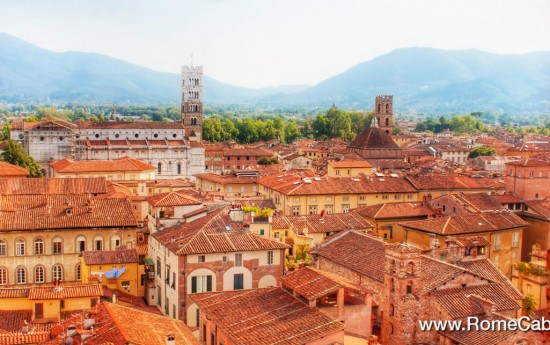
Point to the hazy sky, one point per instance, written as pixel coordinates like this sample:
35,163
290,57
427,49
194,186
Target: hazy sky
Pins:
271,42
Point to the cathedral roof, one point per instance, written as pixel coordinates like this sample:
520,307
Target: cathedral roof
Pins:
373,138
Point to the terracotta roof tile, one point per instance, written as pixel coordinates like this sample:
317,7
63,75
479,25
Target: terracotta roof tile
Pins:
457,303
350,164
373,138
68,291
359,252
14,292
335,222
471,223
22,339
110,257
172,199
129,125
265,316
395,210
35,212
120,164
10,170
94,185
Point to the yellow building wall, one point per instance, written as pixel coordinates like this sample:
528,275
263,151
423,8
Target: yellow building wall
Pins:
15,304
347,172
52,308
132,274
69,259
503,258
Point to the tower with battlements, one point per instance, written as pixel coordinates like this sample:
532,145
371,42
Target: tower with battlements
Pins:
383,110
191,100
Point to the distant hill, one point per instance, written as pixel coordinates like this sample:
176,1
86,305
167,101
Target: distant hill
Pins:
421,79
433,80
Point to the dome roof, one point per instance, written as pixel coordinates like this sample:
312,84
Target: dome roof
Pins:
373,138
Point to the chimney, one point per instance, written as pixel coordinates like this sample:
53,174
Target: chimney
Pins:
170,339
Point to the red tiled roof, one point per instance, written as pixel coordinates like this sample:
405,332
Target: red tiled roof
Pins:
93,185
36,212
13,320
121,164
395,210
120,325
486,269
457,303
253,152
226,179
48,292
373,138
290,184
14,292
507,198
265,316
172,199
541,207
471,223
102,257
178,182
480,337
24,338
10,170
359,252
213,233
312,283
431,182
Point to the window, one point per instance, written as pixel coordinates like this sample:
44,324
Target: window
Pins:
57,246
328,198
270,257
21,275
345,198
345,208
313,209
496,241
392,310
79,273
98,243
397,196
3,276
179,168
3,248
57,273
20,248
201,284
362,198
39,274
238,281
39,246
313,199
384,197
296,210
80,244
159,168
495,258
409,196
202,258
238,260
515,239
158,267
295,200
115,242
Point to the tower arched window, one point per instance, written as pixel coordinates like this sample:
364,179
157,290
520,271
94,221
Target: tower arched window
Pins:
387,108
379,108
159,168
409,287
179,168
392,310
387,122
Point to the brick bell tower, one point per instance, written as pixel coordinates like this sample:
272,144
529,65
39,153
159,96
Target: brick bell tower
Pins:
383,110
191,99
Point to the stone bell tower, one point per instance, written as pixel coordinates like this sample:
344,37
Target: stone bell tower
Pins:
383,110
191,99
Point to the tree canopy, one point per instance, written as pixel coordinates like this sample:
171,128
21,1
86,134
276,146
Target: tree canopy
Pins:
16,155
482,151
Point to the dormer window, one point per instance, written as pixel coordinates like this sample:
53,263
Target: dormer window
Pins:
69,211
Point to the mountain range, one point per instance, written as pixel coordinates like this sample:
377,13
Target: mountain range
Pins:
422,80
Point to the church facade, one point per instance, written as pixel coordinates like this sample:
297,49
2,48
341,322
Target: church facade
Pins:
174,148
